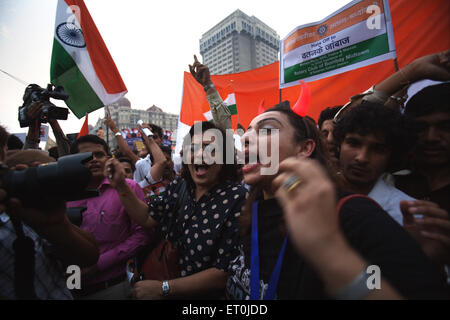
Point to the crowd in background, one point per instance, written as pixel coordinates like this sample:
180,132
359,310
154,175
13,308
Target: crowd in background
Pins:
367,185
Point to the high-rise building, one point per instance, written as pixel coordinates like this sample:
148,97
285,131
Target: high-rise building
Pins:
239,43
126,117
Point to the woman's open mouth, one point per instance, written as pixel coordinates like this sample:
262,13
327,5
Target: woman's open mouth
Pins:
251,164
201,169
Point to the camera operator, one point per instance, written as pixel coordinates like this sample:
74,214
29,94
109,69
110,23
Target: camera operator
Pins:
52,237
33,137
119,237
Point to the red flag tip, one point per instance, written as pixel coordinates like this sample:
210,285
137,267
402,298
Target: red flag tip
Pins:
261,108
302,104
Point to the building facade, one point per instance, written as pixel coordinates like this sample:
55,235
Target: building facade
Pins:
126,117
239,43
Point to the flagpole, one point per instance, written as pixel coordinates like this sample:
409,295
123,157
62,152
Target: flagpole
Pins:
234,92
396,64
107,128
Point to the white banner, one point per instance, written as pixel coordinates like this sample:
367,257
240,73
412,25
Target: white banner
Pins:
355,36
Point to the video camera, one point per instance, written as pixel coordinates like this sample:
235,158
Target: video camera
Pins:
37,187
35,93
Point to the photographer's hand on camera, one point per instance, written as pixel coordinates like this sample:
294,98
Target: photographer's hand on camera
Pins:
33,137
71,244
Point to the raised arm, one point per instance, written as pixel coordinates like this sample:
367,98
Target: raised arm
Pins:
33,136
391,90
70,244
220,112
159,159
313,227
136,208
62,142
121,143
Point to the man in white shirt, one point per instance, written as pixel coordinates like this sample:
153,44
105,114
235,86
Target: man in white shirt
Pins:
142,172
371,143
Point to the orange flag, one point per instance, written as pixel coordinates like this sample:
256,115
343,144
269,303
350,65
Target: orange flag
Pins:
84,129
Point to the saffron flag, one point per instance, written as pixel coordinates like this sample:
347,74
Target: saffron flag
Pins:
85,128
420,28
80,61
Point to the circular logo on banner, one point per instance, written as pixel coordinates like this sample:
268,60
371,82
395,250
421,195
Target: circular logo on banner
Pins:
71,35
322,30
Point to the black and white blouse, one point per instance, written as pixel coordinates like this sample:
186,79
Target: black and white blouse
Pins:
207,229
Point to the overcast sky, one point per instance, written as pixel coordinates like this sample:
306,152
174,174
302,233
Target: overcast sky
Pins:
151,42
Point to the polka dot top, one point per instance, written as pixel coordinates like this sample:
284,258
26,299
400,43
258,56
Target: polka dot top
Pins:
208,228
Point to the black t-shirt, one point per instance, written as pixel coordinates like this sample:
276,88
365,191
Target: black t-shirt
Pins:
417,186
369,230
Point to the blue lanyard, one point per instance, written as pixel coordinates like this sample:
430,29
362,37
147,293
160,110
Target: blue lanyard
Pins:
254,263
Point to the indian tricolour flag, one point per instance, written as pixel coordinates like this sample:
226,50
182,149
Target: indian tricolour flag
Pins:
229,101
81,63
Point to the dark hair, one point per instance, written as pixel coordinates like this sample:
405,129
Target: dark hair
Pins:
29,157
304,128
429,100
3,141
166,150
92,138
377,119
229,171
14,143
53,152
127,160
156,129
118,154
328,114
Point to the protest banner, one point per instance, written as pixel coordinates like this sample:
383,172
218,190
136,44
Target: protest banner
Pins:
133,137
357,35
420,27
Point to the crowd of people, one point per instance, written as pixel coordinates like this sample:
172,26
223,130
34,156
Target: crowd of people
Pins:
365,188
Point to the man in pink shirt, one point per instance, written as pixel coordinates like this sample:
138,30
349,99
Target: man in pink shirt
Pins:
118,237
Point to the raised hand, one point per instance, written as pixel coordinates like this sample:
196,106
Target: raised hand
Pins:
309,201
35,109
115,173
434,67
111,124
431,231
200,72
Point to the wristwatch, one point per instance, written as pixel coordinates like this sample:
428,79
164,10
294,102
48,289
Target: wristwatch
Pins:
118,133
355,290
165,288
